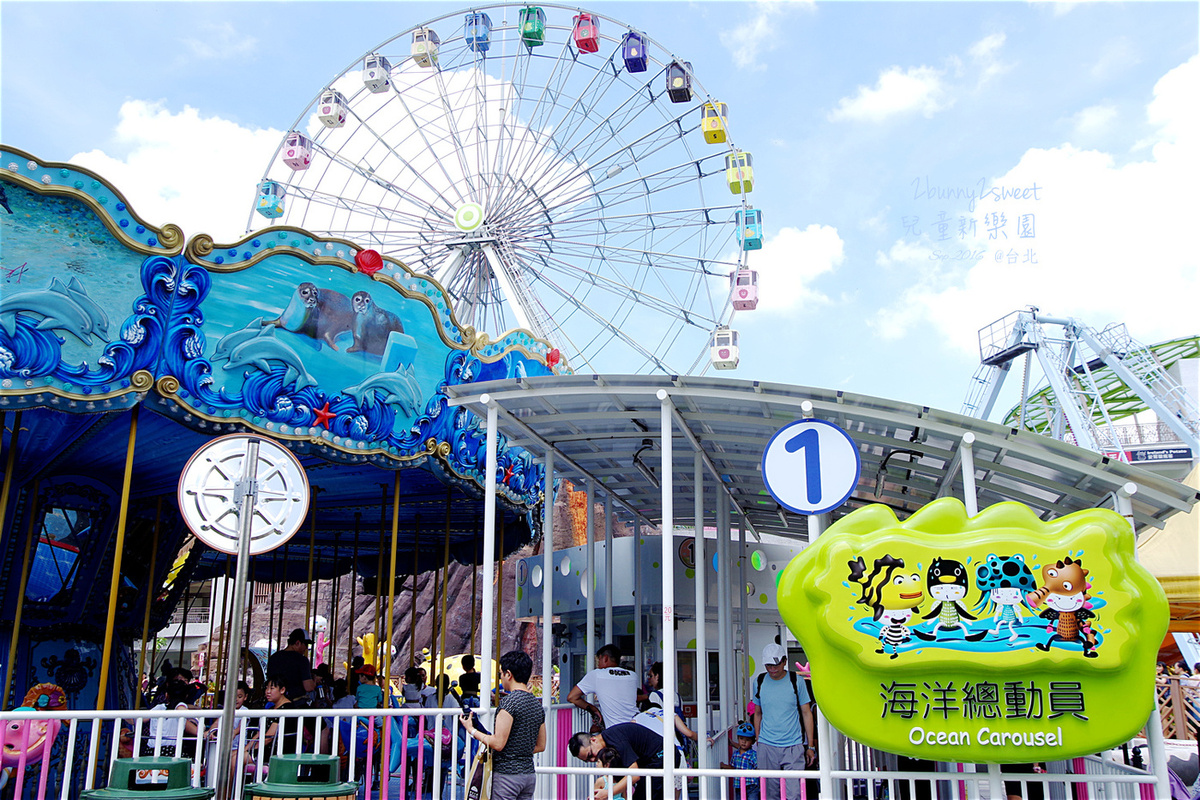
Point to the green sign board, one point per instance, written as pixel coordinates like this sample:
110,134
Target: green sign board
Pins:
995,639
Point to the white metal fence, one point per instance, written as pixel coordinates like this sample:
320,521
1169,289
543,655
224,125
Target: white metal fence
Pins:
424,754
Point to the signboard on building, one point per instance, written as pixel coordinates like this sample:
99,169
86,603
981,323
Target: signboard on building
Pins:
996,639
1160,454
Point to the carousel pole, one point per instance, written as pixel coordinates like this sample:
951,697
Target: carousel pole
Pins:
115,585
387,650
353,592
244,663
379,570
274,587
137,700
282,601
308,589
331,640
474,592
224,665
9,463
445,591
12,644
186,606
412,611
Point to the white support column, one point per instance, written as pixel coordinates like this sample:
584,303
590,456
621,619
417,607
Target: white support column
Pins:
825,732
700,676
723,607
743,614
591,581
970,498
489,555
1154,734
668,593
608,578
639,667
548,589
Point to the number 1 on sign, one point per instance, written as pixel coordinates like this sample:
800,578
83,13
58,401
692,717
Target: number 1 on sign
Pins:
809,441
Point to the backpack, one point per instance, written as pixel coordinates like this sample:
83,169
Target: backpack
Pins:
796,689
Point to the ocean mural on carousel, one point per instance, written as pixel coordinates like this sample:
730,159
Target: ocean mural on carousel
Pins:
313,341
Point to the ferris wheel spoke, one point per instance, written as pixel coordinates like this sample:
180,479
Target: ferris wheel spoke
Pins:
422,132
460,150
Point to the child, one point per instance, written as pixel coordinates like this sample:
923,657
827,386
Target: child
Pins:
368,694
744,757
608,757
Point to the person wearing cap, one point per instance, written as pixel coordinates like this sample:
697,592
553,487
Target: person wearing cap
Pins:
367,694
783,721
291,665
744,757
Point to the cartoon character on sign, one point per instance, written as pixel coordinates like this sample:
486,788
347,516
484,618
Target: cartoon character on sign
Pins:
947,583
1003,582
892,595
1064,590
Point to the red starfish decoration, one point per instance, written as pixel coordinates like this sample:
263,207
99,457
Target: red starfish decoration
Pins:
508,473
324,415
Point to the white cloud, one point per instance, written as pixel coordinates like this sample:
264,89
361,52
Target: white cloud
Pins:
791,261
986,55
220,42
196,172
1094,120
758,35
1113,243
1114,58
917,89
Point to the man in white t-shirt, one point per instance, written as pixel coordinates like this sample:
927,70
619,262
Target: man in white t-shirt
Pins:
615,689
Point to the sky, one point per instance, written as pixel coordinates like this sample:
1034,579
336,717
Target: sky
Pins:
924,169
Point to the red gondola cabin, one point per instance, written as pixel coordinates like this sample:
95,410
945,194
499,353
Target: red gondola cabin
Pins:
587,33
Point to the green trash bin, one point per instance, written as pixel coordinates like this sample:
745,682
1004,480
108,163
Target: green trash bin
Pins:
302,775
150,778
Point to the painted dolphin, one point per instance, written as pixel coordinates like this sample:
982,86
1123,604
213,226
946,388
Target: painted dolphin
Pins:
91,308
264,348
399,389
61,307
231,340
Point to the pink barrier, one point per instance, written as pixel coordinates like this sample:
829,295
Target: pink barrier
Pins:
385,759
563,728
404,754
420,755
370,752
1079,766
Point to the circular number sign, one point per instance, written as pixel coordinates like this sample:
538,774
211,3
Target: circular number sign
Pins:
811,466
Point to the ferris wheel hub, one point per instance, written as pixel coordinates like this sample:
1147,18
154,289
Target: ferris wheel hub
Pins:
468,217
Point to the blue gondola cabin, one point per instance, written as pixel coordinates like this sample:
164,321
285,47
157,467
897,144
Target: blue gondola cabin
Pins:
533,26
477,31
587,33
679,81
749,225
425,44
376,73
633,50
714,118
739,172
270,199
724,350
297,151
745,290
331,109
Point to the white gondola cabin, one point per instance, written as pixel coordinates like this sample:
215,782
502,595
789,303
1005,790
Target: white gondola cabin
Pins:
297,151
749,228
376,73
331,110
745,290
270,199
477,31
425,43
724,351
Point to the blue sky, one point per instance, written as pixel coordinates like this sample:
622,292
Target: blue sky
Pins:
856,112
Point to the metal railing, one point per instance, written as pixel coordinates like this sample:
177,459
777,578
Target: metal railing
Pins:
424,753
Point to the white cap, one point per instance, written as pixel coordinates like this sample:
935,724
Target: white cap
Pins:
773,654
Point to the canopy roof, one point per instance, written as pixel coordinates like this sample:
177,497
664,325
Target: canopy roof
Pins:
595,424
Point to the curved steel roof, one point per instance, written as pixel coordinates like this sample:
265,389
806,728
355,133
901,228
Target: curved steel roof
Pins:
596,423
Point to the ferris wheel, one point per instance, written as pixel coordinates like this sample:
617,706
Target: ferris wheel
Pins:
554,169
